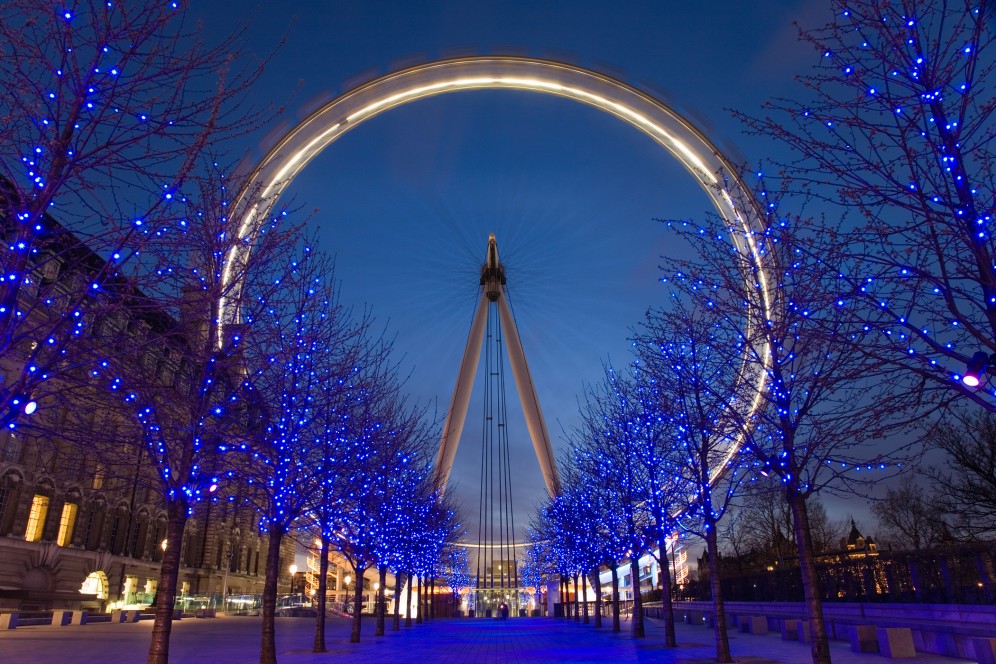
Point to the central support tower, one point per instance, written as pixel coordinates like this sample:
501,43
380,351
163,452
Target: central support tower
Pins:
493,291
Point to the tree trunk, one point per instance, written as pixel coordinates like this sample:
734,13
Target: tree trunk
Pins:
398,580
615,598
722,638
597,580
408,604
810,582
169,572
323,574
431,599
577,599
381,604
584,599
565,605
268,648
354,634
420,602
568,603
634,574
670,639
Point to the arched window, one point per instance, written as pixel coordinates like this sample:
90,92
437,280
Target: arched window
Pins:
67,519
10,495
95,584
250,547
139,535
38,516
11,445
119,530
94,529
235,552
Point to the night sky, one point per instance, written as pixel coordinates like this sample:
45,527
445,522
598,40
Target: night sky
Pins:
406,201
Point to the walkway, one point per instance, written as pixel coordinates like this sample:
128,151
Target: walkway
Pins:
235,640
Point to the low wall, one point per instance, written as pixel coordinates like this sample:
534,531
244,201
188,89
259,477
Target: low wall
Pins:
942,629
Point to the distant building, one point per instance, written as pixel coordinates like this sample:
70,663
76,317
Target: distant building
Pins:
858,545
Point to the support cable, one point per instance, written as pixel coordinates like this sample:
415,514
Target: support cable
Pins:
501,447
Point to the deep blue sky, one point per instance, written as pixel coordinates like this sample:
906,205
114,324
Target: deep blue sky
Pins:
406,201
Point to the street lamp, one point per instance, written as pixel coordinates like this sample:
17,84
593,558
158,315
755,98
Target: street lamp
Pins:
345,600
293,573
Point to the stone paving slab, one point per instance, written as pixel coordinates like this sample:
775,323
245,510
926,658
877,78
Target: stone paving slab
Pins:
235,640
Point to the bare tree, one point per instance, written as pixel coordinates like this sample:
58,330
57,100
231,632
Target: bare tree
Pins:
608,439
300,346
760,529
108,111
583,527
186,390
666,488
818,421
409,555
689,357
629,428
536,565
907,520
826,533
966,490
760,525
455,566
404,481
427,515
365,382
386,479
896,123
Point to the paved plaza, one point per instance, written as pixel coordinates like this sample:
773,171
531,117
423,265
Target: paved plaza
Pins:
235,640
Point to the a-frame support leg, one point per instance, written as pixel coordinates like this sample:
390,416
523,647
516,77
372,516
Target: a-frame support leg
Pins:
457,413
527,395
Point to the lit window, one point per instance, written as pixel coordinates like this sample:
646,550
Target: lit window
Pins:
66,524
36,519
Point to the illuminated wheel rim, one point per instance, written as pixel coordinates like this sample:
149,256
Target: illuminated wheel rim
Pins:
714,172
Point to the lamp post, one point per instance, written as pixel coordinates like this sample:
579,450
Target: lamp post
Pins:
293,573
345,601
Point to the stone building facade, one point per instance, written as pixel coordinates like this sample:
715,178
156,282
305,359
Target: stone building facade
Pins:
82,523
67,540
